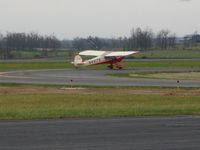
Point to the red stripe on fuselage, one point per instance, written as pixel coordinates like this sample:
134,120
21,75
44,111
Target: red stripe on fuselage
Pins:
116,60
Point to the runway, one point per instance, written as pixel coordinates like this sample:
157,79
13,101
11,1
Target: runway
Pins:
152,133
92,77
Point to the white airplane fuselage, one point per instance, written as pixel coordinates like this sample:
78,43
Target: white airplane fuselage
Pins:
100,60
102,57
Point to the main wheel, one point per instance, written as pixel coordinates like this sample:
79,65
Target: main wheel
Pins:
110,66
119,66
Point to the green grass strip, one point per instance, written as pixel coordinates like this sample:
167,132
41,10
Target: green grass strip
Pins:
166,63
164,75
65,65
34,65
46,106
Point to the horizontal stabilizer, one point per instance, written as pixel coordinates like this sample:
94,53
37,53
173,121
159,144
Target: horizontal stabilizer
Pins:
77,60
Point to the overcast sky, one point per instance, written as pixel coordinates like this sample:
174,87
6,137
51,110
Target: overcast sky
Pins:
104,18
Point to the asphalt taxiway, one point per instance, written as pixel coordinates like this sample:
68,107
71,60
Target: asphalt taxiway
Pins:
150,133
147,133
93,77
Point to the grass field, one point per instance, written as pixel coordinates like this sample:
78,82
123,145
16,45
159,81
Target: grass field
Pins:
163,75
31,54
64,65
167,63
38,102
178,52
169,54
34,65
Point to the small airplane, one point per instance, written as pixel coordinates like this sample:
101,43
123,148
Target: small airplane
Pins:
113,58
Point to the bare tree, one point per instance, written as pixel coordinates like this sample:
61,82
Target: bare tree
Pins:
165,39
94,43
141,38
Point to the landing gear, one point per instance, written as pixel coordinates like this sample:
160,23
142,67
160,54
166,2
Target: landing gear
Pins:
119,66
110,66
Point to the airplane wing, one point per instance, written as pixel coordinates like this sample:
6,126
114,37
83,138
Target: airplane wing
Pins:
92,53
106,53
121,53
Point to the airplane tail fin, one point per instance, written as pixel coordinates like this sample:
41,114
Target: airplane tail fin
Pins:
77,60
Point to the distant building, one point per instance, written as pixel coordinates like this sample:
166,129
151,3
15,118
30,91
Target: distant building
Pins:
179,40
194,38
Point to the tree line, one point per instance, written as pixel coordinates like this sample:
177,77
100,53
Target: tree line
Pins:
140,39
27,41
192,40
